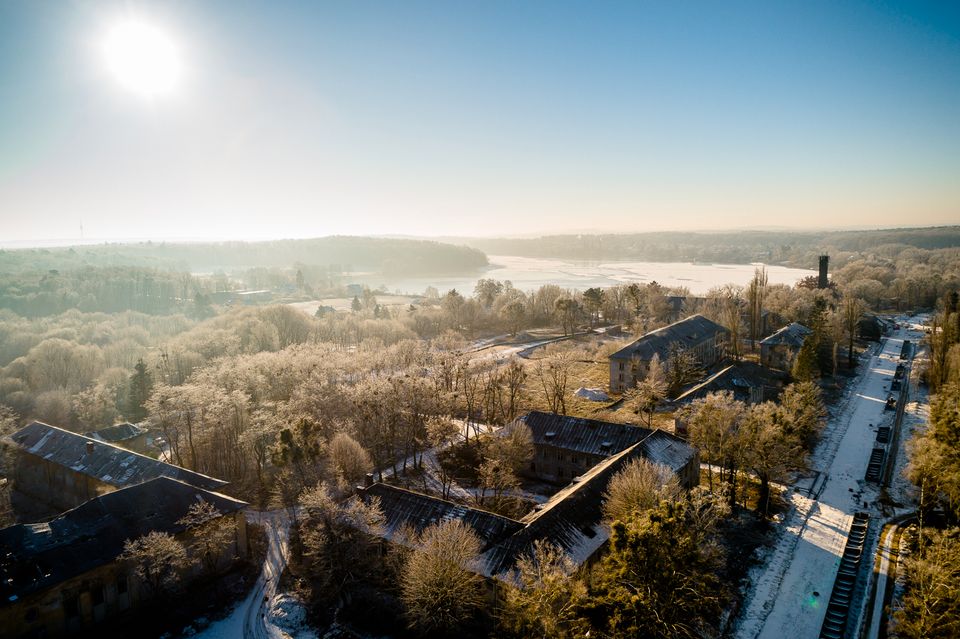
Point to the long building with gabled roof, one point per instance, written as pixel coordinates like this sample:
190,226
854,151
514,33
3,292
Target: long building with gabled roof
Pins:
702,337
572,519
63,469
65,576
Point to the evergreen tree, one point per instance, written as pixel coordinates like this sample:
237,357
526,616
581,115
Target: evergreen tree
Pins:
805,365
548,597
659,579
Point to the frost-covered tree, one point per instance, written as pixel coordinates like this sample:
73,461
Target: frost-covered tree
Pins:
439,589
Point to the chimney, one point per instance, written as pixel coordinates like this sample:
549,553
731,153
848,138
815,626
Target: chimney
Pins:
368,480
89,448
822,281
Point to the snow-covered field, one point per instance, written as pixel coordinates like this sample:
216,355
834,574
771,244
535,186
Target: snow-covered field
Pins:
791,592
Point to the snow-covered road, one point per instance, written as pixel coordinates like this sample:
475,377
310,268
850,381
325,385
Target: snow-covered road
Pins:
249,619
790,595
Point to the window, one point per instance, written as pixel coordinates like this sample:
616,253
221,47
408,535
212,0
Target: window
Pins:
97,595
621,368
121,584
573,459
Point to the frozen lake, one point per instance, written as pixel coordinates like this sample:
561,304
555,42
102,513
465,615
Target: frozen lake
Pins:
528,273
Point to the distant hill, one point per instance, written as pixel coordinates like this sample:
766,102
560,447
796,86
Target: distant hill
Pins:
395,256
792,248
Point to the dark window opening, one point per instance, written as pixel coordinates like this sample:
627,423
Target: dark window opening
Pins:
122,584
71,607
97,595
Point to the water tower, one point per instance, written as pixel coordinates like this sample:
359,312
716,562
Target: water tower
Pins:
822,281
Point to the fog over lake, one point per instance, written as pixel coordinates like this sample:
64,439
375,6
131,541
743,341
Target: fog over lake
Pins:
528,273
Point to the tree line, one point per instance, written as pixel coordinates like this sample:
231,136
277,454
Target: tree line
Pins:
930,606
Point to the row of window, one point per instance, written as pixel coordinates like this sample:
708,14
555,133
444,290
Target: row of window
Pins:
546,454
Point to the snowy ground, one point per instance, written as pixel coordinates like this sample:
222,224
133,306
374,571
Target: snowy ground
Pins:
791,592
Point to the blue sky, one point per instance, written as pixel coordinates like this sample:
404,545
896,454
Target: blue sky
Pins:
305,119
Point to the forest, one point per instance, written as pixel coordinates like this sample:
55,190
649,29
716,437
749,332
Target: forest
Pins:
293,409
344,253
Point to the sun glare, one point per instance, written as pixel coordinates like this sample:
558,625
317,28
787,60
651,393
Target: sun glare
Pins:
142,58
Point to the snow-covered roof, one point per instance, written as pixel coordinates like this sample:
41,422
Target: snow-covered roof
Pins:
667,450
790,335
739,379
571,519
588,436
686,333
407,509
101,460
116,433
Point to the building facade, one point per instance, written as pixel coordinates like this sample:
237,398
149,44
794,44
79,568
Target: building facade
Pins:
703,338
779,351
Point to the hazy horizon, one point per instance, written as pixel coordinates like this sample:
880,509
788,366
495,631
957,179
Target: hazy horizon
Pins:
67,242
223,121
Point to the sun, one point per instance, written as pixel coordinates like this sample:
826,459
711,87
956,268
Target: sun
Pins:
142,58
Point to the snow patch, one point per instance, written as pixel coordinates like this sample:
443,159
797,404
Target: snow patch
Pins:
592,394
288,614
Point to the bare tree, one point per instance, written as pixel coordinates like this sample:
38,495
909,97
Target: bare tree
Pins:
553,370
442,432
567,311
513,446
682,368
593,301
713,424
158,559
930,608
514,377
351,460
730,313
211,534
497,477
515,315
769,450
339,539
852,310
644,398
